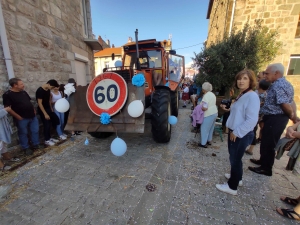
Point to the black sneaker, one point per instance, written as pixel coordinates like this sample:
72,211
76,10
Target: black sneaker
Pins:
202,146
28,151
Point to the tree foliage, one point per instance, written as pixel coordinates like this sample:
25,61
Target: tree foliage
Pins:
252,47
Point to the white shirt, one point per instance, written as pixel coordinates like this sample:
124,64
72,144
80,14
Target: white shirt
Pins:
210,99
244,114
55,97
186,90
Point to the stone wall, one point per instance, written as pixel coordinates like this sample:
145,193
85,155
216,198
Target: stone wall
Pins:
43,37
3,74
219,20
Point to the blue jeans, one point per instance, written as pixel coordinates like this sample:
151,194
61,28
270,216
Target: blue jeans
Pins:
60,127
236,151
22,125
207,128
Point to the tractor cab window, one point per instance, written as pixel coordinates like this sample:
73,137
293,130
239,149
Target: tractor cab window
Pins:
175,68
148,59
155,59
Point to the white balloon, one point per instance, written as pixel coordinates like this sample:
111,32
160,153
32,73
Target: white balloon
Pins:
135,108
62,105
118,147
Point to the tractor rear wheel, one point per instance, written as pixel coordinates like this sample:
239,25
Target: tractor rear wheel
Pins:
161,110
100,134
174,102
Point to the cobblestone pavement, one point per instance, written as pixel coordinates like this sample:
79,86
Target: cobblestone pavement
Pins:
78,184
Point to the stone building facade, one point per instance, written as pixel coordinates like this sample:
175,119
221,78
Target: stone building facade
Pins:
43,40
282,15
48,39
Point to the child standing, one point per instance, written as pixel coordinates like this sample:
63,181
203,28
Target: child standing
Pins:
263,86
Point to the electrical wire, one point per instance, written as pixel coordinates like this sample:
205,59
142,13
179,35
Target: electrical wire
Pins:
189,46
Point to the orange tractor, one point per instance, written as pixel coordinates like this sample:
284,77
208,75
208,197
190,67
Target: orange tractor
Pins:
112,92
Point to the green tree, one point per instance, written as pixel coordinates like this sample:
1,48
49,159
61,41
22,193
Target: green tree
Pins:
252,47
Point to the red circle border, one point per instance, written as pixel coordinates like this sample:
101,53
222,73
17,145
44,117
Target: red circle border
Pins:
120,102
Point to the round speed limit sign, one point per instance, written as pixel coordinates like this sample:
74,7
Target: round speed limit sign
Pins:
107,93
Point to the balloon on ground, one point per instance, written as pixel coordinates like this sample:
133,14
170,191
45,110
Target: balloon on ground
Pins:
118,147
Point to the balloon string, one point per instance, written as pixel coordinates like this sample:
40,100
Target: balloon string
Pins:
115,129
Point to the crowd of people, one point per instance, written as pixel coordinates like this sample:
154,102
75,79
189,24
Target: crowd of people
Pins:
265,101
17,103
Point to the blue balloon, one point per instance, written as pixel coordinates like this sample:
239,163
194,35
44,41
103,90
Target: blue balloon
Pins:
118,147
172,120
86,142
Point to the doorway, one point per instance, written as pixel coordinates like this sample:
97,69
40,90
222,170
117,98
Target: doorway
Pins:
80,68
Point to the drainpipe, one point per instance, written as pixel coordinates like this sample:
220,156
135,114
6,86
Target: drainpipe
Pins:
5,47
232,17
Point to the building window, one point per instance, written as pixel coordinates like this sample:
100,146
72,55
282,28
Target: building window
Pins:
106,64
298,29
294,66
85,27
96,66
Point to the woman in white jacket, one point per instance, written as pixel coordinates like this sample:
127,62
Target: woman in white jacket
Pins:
241,121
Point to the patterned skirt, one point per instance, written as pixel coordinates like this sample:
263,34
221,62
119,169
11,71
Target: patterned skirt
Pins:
185,96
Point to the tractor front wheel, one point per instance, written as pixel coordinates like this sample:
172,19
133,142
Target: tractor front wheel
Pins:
161,110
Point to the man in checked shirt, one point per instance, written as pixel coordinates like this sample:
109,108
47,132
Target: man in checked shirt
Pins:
277,110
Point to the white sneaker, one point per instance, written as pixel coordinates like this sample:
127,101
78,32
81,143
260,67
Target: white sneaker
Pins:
62,137
54,140
225,188
65,135
50,143
227,175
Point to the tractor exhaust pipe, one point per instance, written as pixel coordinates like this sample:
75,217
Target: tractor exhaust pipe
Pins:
138,66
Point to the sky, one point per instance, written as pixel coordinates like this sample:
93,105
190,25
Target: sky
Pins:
185,20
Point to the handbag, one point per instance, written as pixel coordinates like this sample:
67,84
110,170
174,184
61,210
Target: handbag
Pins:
289,144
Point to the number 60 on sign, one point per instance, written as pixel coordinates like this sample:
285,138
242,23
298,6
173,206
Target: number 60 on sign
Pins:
107,93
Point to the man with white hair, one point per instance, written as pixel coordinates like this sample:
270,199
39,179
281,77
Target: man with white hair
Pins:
277,111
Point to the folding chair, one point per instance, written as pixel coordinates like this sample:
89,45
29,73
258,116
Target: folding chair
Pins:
218,127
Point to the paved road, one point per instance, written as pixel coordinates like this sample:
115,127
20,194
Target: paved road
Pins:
78,184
